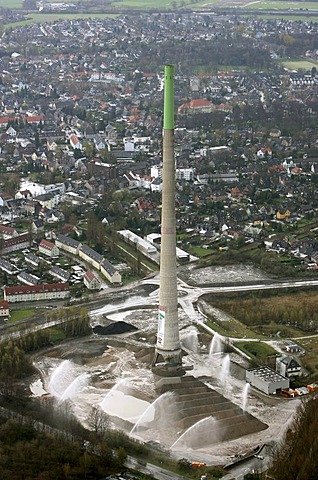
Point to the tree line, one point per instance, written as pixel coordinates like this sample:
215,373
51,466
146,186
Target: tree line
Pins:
302,314
15,359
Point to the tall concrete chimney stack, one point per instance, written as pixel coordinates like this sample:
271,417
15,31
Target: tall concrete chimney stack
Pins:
168,355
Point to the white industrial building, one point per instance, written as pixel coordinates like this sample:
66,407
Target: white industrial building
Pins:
140,243
155,239
266,380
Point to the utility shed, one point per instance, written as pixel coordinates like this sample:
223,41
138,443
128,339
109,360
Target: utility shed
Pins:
266,380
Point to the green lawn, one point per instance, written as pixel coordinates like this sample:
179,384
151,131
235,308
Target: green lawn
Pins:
152,4
299,64
282,16
281,5
21,314
198,251
258,351
233,328
49,18
11,3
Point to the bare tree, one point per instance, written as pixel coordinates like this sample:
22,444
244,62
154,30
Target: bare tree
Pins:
98,421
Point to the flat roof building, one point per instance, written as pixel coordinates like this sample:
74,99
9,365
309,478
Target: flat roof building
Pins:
266,380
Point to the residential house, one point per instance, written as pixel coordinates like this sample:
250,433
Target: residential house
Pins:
288,366
4,310
29,293
32,207
26,194
264,152
68,244
59,273
37,226
28,278
51,145
156,185
48,248
91,281
7,232
12,133
283,214
198,105
99,142
75,143
51,216
32,259
16,243
7,267
48,200
110,272
90,256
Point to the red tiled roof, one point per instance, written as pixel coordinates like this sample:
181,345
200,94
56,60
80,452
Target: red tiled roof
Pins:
89,275
46,244
199,102
44,287
74,139
7,119
6,229
34,119
16,240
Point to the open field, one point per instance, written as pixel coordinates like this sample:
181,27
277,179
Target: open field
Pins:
300,64
21,314
275,316
258,351
283,16
264,311
11,3
144,4
310,360
281,5
261,5
231,328
49,18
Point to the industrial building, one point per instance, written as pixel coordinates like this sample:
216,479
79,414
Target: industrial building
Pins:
266,380
139,243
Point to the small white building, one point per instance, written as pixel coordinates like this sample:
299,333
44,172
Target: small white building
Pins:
48,248
140,243
4,310
110,272
288,366
91,281
186,174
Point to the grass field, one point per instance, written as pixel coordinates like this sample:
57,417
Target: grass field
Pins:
49,18
232,328
177,4
294,18
281,5
258,351
11,3
300,64
232,305
143,4
21,314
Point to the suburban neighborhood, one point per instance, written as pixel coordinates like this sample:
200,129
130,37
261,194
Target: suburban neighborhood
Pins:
81,114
